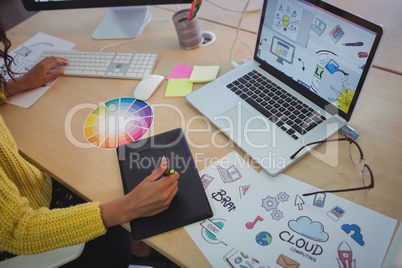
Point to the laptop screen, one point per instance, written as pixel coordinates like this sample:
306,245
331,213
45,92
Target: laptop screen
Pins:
324,52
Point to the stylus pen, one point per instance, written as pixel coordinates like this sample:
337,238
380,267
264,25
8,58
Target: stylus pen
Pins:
168,172
357,44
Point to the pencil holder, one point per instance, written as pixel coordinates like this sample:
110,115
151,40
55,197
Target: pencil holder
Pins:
188,32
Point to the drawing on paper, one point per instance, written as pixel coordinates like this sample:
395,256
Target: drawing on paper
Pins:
319,200
286,262
271,205
263,238
229,175
210,229
299,202
336,213
243,190
250,225
237,259
345,255
356,232
206,180
311,229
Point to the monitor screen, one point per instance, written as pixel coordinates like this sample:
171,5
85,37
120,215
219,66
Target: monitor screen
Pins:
325,53
126,18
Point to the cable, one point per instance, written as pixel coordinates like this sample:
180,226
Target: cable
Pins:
235,64
131,40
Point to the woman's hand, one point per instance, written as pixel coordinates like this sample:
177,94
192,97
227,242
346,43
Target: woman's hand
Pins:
152,196
39,75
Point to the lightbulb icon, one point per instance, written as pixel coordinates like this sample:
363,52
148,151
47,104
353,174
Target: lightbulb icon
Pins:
285,21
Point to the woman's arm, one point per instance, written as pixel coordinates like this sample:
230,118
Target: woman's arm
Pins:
25,230
38,76
152,196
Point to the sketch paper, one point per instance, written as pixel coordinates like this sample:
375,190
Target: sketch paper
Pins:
313,231
25,57
226,184
269,219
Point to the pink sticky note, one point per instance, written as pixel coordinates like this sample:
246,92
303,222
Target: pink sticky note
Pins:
180,71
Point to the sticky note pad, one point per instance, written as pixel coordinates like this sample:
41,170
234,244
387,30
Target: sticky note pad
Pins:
178,87
180,71
204,73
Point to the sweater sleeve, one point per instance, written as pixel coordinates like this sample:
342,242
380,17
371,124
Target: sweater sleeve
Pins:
24,230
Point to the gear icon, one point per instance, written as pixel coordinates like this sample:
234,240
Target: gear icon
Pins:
269,203
277,214
345,100
282,196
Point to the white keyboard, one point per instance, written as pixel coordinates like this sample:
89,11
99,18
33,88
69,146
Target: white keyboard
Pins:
105,64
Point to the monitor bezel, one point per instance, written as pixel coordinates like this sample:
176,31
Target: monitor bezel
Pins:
31,5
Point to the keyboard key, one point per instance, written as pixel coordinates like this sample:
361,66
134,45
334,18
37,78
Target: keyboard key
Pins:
298,128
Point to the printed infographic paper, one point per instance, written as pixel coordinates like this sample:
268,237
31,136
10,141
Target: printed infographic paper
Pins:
269,219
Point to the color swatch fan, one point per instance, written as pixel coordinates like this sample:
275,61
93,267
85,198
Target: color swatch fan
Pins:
117,122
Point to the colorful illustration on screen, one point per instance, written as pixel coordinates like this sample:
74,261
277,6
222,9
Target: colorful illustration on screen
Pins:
287,19
345,100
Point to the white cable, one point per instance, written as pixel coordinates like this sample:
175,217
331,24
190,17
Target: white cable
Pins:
232,10
235,64
131,40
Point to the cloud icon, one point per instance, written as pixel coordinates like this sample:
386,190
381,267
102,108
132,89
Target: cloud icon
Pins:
357,236
308,228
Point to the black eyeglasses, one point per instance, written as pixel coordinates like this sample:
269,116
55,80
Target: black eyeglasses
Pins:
357,157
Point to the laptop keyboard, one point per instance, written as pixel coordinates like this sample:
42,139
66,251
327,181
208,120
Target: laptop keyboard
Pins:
282,108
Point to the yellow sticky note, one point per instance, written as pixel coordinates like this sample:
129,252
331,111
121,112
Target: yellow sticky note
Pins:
178,87
204,73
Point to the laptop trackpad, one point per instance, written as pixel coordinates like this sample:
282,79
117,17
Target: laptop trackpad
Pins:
244,128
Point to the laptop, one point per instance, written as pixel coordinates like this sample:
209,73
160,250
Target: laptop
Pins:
301,86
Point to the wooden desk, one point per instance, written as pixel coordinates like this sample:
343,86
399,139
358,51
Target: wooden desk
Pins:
43,137
383,12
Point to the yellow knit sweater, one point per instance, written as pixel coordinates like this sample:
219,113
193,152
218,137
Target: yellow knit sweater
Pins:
27,225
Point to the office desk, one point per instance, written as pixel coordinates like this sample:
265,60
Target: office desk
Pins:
50,134
383,12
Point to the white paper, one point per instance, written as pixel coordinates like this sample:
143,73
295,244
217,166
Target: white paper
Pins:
226,186
25,57
321,230
269,219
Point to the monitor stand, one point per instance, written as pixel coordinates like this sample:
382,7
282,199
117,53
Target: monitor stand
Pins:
280,60
122,23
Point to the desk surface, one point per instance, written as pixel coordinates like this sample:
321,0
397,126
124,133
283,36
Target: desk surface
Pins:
50,132
382,12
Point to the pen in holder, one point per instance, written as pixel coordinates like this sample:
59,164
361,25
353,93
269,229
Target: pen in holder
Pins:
188,32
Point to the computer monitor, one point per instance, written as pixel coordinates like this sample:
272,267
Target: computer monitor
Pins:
283,50
125,19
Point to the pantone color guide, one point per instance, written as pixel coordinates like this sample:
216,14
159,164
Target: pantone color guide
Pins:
117,122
